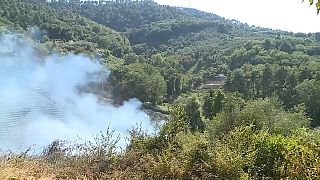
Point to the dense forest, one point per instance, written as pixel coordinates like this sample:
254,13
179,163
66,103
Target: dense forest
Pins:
260,123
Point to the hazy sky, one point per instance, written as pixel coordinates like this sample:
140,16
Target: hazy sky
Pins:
290,15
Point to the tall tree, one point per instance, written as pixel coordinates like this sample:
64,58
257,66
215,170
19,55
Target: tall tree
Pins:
193,116
266,81
218,103
309,95
208,105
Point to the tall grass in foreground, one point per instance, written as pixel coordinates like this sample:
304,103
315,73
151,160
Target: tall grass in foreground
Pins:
63,160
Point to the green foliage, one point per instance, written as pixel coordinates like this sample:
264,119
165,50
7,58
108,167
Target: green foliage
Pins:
62,26
255,127
317,5
212,106
267,115
157,33
270,156
120,16
308,93
208,105
244,152
284,157
139,80
193,116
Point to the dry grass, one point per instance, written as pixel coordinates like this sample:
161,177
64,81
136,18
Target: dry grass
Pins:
27,168
75,168
24,168
79,168
59,160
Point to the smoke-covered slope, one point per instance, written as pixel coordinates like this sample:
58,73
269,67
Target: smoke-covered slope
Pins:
41,99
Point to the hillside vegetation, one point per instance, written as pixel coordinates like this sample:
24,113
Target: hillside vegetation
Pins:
263,124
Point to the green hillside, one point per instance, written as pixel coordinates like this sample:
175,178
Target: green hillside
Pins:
260,123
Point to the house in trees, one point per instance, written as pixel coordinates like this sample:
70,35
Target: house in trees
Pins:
214,82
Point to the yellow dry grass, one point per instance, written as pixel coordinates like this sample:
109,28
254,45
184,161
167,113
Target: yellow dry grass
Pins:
24,169
19,168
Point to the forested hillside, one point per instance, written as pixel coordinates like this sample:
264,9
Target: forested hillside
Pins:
261,123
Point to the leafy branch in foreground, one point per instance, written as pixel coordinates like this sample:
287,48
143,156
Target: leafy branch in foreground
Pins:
317,4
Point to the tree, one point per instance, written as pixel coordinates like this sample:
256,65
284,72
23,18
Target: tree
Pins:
218,102
254,79
156,88
317,36
170,87
193,116
286,47
208,105
280,77
309,95
266,81
267,44
237,82
139,80
289,95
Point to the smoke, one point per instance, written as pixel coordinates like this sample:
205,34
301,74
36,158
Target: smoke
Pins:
41,100
36,33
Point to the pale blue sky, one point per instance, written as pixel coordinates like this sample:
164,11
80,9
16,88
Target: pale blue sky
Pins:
290,15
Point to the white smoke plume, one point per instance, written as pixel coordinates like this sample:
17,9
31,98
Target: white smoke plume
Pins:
40,100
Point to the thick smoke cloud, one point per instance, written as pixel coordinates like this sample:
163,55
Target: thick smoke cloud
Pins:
40,100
